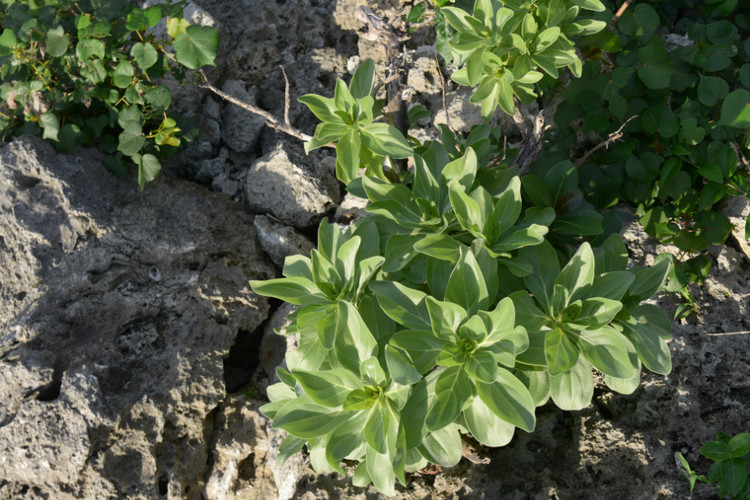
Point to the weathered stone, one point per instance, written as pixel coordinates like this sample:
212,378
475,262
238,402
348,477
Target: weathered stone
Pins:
280,241
211,109
461,113
117,308
738,209
241,129
277,184
210,169
274,345
424,76
350,209
240,453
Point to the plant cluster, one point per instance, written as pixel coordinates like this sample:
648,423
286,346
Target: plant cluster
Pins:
85,72
729,470
669,80
503,49
457,307
676,76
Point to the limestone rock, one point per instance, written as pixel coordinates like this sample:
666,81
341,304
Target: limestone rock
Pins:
462,114
240,467
117,308
278,184
241,129
280,241
737,210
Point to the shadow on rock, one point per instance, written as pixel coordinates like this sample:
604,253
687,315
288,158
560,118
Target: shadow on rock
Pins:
118,309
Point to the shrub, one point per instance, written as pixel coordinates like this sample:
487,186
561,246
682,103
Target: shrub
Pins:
85,72
458,306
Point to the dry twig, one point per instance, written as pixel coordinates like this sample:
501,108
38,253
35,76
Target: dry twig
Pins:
286,98
740,157
377,30
532,128
442,88
614,136
619,13
271,120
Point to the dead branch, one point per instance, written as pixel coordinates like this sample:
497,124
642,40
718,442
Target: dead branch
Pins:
271,120
532,129
377,30
614,136
286,98
442,91
741,160
728,334
619,13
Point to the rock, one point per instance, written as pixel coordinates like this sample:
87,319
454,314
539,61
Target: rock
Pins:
118,308
738,209
245,456
351,208
194,13
211,109
280,241
224,184
274,345
210,169
197,15
462,114
241,467
277,184
287,476
241,129
32,441
325,171
424,76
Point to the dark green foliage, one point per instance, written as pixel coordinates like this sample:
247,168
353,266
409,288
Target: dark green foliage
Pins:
81,73
729,471
685,147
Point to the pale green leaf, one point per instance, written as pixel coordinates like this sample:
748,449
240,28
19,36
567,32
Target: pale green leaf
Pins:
509,399
573,389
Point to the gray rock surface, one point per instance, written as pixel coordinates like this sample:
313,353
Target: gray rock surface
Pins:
241,129
278,184
738,209
274,346
117,308
280,241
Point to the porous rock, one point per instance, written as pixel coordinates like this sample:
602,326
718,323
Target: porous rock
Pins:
280,241
117,309
274,346
240,454
738,209
241,129
279,184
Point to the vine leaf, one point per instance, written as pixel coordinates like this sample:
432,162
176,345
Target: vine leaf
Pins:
197,46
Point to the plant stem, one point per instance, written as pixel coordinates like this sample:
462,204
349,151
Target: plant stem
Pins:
271,121
619,13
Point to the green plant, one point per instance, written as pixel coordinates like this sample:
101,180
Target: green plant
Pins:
664,89
729,471
503,48
672,78
347,120
83,72
457,307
